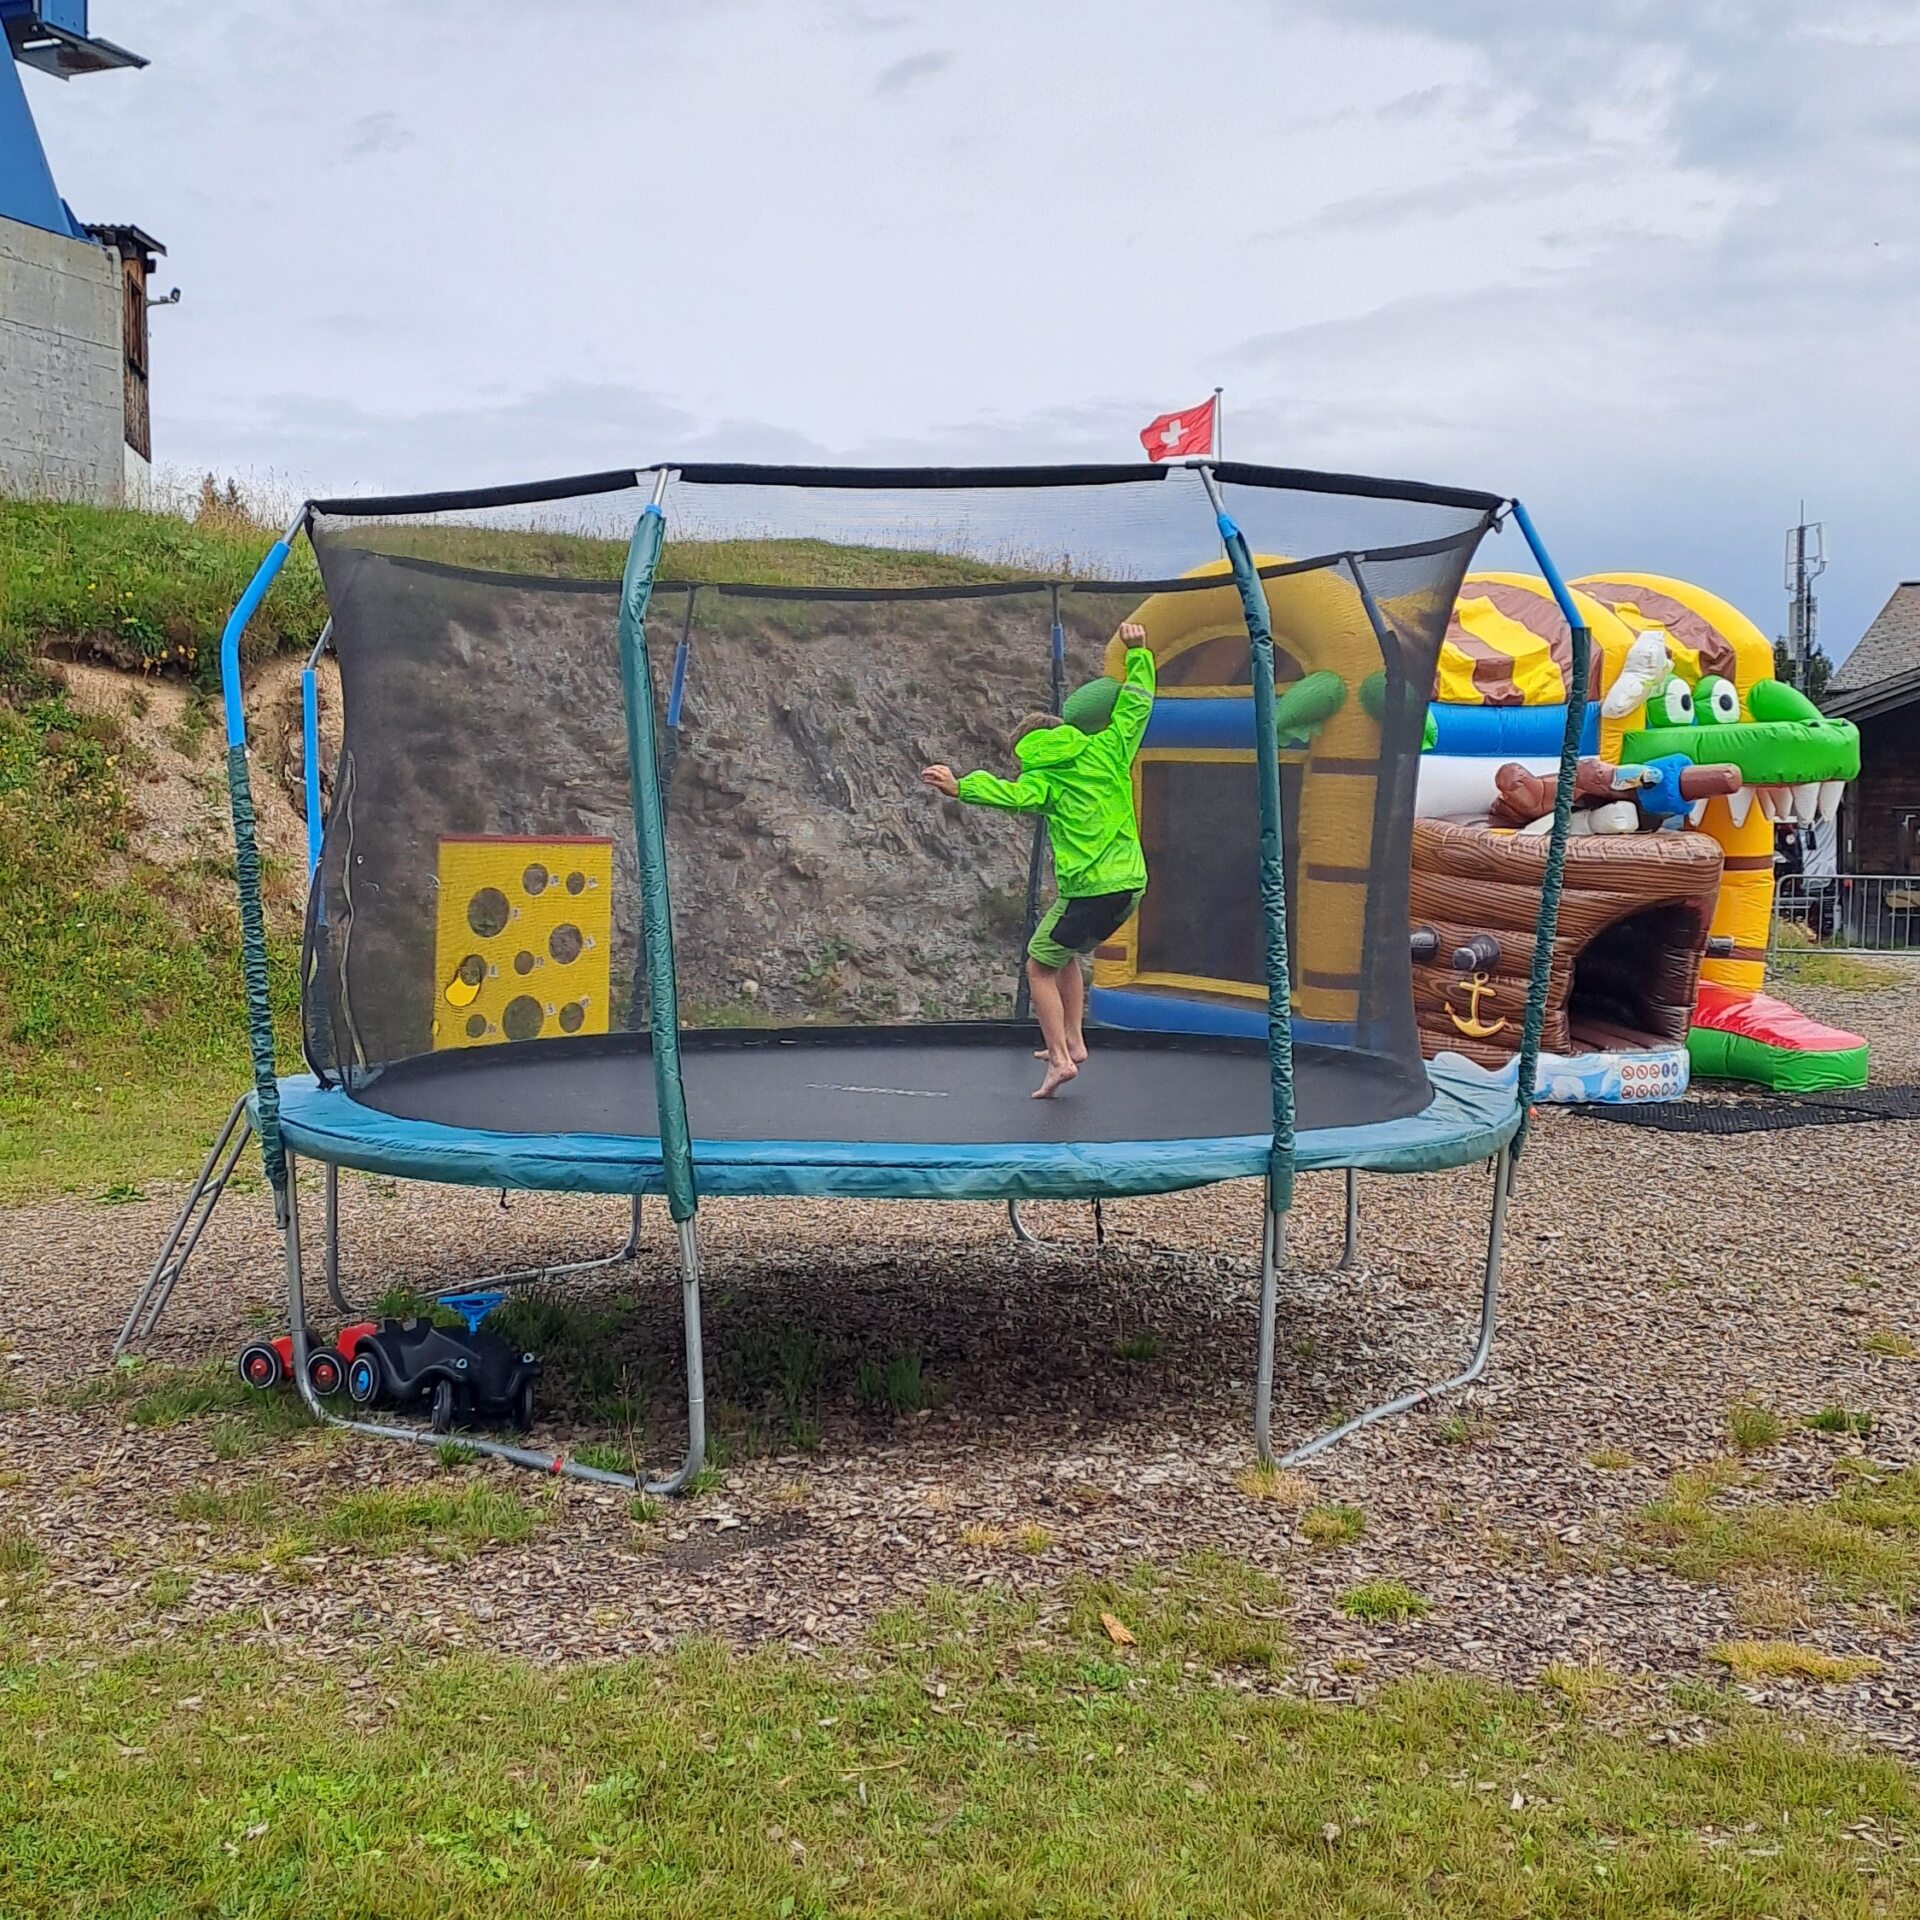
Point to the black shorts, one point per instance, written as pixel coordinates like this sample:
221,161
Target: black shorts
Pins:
1079,925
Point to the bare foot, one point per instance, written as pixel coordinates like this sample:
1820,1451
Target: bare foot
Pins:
1058,1074
1078,1055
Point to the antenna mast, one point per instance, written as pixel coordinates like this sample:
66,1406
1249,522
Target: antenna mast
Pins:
1806,562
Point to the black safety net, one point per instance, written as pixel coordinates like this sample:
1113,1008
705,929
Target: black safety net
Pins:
815,640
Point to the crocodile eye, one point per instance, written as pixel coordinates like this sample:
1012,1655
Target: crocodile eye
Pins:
1716,702
1675,703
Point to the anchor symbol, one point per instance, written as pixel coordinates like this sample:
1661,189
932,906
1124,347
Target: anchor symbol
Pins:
1476,988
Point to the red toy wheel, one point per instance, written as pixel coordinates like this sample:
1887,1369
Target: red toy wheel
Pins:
260,1366
326,1372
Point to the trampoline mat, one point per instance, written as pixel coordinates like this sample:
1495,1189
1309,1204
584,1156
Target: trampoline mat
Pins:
933,1085
1835,1107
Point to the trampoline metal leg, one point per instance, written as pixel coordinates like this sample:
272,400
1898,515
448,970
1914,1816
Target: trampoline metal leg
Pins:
1350,1245
548,1463
150,1302
508,1277
1273,1249
334,1294
1032,1241
1483,1345
696,1366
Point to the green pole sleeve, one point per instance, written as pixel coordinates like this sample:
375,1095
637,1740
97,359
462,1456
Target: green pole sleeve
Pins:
1273,871
656,906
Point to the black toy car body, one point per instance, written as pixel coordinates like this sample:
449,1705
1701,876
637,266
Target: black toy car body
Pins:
467,1376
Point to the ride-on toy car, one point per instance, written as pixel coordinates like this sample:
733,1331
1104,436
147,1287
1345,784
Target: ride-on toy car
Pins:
266,1363
467,1374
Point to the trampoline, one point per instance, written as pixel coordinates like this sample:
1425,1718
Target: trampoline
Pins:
584,919
903,1113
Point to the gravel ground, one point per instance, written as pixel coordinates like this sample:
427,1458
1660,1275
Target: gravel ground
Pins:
1651,1281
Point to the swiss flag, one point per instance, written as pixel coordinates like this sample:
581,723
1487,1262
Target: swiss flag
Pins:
1180,436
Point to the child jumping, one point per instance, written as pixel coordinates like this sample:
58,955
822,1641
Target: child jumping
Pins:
1081,784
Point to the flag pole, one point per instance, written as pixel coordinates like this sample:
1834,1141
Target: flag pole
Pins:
1219,422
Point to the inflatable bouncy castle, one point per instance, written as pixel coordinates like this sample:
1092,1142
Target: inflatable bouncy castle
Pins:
1691,752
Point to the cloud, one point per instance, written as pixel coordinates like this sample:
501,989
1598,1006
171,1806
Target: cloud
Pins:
858,19
320,445
377,133
915,67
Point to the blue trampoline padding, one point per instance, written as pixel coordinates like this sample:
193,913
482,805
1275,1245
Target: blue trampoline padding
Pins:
1509,733
1472,1115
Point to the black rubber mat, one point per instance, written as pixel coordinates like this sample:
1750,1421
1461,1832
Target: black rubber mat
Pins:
965,1084
1766,1113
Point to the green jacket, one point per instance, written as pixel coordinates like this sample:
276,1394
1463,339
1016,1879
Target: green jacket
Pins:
1082,784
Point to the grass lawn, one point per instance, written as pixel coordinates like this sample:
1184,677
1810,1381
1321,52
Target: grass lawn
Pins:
967,1758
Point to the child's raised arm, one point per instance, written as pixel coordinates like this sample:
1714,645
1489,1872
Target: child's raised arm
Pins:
1133,705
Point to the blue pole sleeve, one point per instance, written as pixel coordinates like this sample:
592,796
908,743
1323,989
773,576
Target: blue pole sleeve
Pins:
677,692
249,605
310,738
1549,572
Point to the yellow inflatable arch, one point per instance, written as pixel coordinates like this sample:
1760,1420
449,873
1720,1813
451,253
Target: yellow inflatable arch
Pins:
1199,642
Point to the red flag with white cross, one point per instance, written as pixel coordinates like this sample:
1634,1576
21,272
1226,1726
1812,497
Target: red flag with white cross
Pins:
1180,436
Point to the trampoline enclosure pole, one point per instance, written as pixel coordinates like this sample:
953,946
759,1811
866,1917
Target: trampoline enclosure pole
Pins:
1273,873
656,911
1548,920
310,745
246,867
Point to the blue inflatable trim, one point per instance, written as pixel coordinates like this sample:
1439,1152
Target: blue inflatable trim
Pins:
1510,733
1165,1013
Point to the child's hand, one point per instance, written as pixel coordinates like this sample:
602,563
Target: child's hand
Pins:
1133,634
942,779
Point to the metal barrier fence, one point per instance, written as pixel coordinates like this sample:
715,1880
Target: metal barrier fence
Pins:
1876,911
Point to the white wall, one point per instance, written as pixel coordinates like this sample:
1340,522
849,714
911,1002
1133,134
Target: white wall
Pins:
62,378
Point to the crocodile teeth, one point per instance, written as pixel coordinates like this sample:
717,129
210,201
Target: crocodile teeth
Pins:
1696,813
1830,792
1740,804
1806,801
1769,805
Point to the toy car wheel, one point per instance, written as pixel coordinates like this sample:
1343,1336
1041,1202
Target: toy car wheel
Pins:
260,1366
523,1407
443,1406
326,1374
363,1379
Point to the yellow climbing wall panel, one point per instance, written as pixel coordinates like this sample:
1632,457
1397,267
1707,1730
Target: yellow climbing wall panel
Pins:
523,943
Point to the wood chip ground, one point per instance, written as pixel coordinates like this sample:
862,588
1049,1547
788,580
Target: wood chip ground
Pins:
1652,1280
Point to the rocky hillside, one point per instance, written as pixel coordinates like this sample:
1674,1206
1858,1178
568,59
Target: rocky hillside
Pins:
812,872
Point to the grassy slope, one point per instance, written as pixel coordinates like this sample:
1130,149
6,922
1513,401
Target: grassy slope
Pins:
121,1037
121,1029
969,1758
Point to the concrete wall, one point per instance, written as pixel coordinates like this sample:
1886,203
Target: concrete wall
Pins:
62,370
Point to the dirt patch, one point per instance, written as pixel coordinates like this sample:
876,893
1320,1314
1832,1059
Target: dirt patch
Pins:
178,786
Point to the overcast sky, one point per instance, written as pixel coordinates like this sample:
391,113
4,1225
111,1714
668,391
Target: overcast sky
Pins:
1652,267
